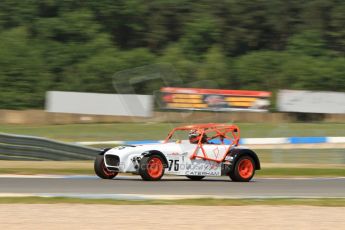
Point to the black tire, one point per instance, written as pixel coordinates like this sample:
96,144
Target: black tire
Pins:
100,169
151,167
244,169
195,177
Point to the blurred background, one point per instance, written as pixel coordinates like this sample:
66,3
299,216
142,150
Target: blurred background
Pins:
256,45
277,67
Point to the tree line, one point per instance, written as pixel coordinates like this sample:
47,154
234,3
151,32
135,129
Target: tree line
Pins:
78,45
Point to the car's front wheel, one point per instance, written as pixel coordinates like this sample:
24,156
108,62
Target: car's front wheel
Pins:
101,170
151,168
244,169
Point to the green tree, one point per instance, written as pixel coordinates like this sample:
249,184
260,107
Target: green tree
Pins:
185,68
260,70
215,67
307,43
79,45
201,33
23,75
336,30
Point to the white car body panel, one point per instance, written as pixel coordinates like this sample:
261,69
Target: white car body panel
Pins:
177,155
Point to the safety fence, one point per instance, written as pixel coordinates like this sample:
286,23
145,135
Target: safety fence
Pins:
19,147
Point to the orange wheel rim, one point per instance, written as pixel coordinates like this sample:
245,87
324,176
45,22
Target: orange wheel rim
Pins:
246,168
155,167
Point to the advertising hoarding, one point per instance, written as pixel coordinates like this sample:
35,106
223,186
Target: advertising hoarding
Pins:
99,104
214,99
311,101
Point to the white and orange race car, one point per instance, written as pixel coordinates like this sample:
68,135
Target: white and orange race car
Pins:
210,150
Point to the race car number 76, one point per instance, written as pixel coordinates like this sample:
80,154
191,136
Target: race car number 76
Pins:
175,163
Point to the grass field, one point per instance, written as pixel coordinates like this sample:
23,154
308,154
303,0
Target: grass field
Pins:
158,131
302,156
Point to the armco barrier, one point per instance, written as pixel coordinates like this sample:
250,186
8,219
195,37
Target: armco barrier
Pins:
18,147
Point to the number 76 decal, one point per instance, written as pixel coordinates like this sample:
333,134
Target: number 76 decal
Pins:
175,163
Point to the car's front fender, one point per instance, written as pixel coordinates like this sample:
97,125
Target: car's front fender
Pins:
152,152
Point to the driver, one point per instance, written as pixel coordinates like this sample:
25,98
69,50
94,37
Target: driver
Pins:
195,136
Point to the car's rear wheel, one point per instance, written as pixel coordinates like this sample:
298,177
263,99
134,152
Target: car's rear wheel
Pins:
151,168
195,177
101,170
244,169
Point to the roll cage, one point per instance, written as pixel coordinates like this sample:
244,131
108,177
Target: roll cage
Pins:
221,132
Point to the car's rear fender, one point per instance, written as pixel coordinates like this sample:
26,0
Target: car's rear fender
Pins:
156,152
236,153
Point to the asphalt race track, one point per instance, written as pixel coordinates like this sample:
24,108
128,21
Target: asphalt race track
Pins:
213,187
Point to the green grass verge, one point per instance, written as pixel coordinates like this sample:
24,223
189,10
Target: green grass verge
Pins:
46,167
309,172
302,156
158,131
330,202
33,171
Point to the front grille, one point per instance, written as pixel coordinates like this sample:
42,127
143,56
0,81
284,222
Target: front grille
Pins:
112,160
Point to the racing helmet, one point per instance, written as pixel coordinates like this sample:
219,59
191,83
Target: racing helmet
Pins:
195,136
